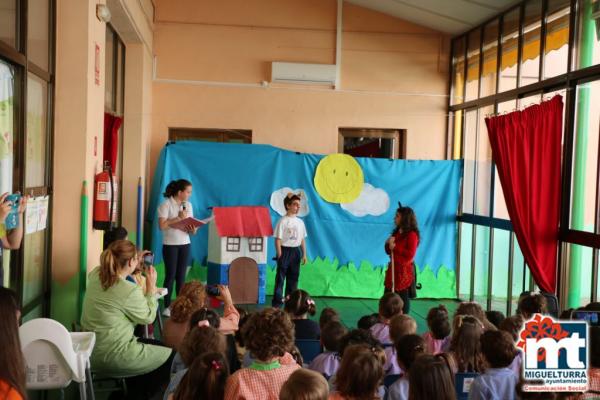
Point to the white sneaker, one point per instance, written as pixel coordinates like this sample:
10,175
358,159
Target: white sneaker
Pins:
166,312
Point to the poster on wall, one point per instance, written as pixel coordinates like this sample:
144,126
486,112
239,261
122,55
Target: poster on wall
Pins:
31,215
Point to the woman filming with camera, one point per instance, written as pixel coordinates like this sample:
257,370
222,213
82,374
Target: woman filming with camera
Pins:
111,308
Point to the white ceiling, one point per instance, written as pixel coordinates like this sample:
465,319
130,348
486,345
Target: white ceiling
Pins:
449,16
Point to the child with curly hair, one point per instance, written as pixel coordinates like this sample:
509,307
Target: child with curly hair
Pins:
268,336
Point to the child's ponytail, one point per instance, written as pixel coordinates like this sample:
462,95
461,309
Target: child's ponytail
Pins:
205,379
299,303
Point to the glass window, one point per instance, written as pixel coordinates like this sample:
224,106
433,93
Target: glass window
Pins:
466,242
473,65
585,157
556,49
490,59
7,126
480,269
458,70
529,101
8,22
456,124
510,47
500,270
582,256
530,54
37,106
469,160
520,281
34,247
588,41
483,171
38,32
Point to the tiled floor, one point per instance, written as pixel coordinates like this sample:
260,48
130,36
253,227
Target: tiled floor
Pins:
352,309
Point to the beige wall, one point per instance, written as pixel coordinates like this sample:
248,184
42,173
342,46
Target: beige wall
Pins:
79,118
211,57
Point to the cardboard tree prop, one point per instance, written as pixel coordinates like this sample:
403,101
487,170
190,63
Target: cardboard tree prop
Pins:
237,251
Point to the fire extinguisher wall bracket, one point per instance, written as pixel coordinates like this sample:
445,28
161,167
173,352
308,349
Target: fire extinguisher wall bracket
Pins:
105,187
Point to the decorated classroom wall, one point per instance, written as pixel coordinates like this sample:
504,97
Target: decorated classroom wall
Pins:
345,241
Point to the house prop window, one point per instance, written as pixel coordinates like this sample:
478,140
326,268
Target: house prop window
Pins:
255,244
233,244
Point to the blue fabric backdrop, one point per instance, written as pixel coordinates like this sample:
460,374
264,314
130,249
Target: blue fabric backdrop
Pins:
242,174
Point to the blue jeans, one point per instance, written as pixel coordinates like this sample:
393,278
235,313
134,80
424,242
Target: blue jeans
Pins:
288,269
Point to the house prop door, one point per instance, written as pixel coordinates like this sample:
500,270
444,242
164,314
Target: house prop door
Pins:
243,281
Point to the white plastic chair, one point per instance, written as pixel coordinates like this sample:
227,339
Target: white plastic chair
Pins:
54,356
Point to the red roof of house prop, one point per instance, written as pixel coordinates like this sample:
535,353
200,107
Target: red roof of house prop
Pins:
246,221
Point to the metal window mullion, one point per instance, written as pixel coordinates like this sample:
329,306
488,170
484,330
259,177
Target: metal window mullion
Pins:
490,269
458,250
499,52
543,39
509,294
473,244
520,43
465,67
572,28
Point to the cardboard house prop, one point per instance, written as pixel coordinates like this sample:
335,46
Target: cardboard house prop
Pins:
237,251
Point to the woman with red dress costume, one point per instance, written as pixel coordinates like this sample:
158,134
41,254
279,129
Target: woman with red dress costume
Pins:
403,244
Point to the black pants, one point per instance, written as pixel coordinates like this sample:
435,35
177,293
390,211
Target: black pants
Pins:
404,295
148,385
176,261
288,271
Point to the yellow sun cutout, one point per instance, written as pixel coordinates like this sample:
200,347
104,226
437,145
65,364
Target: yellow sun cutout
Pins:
339,178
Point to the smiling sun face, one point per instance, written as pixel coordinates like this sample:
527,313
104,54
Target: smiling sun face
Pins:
339,178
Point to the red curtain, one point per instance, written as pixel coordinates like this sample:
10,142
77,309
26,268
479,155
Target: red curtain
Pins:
111,139
526,146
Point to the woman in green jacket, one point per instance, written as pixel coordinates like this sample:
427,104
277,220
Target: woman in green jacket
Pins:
112,308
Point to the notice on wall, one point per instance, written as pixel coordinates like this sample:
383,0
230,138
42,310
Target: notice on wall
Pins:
36,214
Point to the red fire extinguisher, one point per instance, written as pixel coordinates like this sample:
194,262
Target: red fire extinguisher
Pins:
105,199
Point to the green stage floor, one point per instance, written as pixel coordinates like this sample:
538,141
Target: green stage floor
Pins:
352,309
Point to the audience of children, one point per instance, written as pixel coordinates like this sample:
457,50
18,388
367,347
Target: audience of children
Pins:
498,381
437,338
327,315
390,305
205,379
360,374
495,317
400,326
465,351
327,363
12,364
431,379
513,326
408,348
268,336
298,305
305,384
531,303
367,321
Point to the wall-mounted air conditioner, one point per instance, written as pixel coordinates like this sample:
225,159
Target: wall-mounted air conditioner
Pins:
310,74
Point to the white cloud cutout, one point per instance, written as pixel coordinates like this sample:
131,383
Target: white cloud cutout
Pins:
372,201
278,196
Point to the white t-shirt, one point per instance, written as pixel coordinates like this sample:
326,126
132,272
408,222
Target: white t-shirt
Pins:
169,209
291,231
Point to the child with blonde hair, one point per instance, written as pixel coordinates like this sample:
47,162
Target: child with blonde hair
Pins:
305,384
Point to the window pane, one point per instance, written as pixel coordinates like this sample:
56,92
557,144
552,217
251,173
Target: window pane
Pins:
490,59
484,165
482,250
109,54
473,65
585,156
530,61
500,270
37,32
34,247
458,70
587,51
529,101
7,118
556,50
520,281
510,47
456,124
500,210
466,242
37,106
8,22
582,256
469,157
